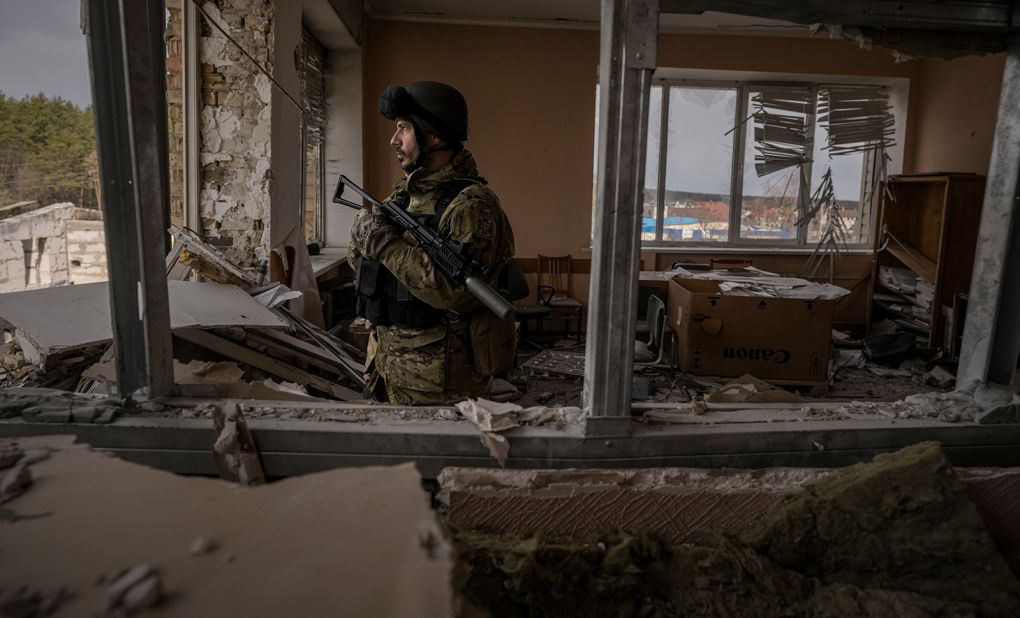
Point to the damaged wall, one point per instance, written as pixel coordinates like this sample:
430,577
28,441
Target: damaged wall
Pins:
544,176
956,118
175,113
235,129
56,245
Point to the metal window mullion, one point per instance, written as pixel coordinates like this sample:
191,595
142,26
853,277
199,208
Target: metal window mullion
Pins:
869,179
660,207
320,214
804,192
627,53
189,97
737,171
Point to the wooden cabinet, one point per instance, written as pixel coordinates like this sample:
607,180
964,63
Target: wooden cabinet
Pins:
927,225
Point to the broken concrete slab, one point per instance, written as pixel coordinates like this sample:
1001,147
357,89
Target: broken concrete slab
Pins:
288,561
57,319
47,405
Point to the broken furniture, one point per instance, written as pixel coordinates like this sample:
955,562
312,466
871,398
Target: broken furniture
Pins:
555,290
925,249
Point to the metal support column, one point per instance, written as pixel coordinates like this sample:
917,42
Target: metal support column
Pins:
629,47
190,95
127,66
991,336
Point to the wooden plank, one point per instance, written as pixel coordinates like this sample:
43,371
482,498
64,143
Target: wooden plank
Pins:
320,357
186,239
276,367
913,260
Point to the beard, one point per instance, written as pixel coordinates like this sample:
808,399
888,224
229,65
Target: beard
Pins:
406,162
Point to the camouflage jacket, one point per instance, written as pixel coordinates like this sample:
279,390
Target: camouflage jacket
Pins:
408,358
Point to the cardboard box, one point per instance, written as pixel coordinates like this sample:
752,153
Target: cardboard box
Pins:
779,339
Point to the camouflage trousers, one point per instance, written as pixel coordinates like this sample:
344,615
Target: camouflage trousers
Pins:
433,366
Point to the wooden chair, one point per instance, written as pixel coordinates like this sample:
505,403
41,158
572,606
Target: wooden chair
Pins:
555,290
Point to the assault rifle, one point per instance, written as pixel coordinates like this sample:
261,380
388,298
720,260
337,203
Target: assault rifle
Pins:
448,256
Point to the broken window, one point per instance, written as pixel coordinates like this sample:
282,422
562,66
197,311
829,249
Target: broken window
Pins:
312,71
736,163
776,149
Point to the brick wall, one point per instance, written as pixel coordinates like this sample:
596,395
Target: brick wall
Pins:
235,129
175,114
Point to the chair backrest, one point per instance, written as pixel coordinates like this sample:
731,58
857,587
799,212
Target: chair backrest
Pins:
656,320
556,272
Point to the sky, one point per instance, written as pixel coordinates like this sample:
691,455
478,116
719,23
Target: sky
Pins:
43,50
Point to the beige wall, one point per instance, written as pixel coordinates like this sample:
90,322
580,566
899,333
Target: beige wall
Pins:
531,95
532,98
955,124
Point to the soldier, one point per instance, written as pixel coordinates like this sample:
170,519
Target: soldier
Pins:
431,341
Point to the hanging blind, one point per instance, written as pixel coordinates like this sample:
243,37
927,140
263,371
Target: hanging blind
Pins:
781,125
857,117
312,71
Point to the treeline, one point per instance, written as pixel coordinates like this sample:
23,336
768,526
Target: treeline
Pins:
47,151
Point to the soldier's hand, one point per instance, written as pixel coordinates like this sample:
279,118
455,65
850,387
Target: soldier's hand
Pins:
372,232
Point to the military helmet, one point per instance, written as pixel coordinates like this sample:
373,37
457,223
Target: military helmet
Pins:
439,109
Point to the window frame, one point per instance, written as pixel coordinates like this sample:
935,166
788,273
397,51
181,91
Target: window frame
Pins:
744,83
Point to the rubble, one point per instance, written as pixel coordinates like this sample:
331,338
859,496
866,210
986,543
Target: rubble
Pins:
26,602
492,417
133,590
15,480
940,378
897,536
202,545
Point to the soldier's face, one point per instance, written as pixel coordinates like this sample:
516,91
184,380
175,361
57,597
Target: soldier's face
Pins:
405,144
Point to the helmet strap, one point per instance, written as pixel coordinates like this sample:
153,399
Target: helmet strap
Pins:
424,151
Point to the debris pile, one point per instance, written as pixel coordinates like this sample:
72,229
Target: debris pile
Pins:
492,418
233,337
897,536
132,590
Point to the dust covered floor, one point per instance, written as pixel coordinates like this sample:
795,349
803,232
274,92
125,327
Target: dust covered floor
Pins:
895,537
664,384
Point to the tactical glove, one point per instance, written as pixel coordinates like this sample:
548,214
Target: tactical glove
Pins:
372,232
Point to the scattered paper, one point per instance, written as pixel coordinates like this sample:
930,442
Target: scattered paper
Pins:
749,389
498,445
276,296
490,415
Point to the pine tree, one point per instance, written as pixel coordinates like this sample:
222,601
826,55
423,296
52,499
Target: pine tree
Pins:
47,151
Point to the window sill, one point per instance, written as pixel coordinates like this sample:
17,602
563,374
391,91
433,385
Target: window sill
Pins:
743,249
328,258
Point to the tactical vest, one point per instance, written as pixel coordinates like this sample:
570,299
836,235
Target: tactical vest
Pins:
382,299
